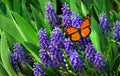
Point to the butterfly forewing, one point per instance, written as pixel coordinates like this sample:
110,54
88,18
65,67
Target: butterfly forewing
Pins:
85,22
70,30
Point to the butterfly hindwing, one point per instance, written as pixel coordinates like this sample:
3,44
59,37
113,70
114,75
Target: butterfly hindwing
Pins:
85,32
75,37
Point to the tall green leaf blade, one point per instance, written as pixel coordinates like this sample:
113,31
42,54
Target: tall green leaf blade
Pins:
73,6
2,70
25,28
96,35
25,13
38,18
17,6
5,56
10,27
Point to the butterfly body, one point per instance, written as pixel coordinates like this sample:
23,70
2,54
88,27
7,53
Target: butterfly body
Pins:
76,33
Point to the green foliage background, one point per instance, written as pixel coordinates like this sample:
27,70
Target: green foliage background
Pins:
20,21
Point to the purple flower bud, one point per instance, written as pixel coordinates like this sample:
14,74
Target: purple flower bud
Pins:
45,58
51,14
43,39
76,21
94,58
117,31
19,53
99,62
58,38
56,55
66,15
13,61
38,71
104,23
69,47
77,62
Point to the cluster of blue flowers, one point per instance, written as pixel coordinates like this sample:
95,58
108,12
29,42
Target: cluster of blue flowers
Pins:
51,49
94,57
52,54
18,57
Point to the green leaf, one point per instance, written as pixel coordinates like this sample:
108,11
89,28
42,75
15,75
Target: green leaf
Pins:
27,31
96,35
84,10
10,27
17,6
25,13
38,18
5,56
2,70
73,6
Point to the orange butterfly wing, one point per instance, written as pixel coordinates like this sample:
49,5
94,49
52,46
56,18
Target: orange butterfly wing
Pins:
85,22
73,33
70,30
85,30
75,36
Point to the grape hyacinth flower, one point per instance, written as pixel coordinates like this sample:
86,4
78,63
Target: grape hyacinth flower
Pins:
90,53
38,71
76,21
99,62
43,39
83,42
58,38
77,62
45,58
117,31
94,57
66,15
56,55
51,15
19,53
13,61
69,47
104,23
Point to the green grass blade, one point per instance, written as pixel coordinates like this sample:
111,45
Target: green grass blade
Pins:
2,70
26,29
5,56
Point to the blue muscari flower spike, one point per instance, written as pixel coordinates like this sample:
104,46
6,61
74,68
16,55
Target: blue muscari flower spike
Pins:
44,45
45,58
19,53
56,55
99,62
51,15
38,71
76,62
58,38
94,57
116,30
13,61
76,21
43,39
66,15
69,47
104,23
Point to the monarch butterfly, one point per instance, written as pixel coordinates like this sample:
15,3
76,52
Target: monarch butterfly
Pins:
76,33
